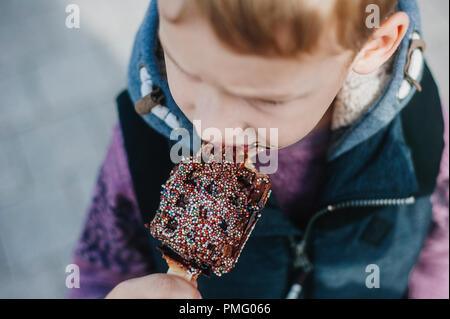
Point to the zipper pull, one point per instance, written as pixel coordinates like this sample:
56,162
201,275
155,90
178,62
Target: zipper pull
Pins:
301,260
302,268
295,291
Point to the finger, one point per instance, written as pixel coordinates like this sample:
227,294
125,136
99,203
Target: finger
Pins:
194,283
177,287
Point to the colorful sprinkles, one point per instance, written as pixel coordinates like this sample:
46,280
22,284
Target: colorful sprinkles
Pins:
207,211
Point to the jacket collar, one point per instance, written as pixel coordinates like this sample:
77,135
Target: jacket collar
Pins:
395,96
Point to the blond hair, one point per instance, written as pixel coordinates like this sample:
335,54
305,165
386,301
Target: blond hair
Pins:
287,27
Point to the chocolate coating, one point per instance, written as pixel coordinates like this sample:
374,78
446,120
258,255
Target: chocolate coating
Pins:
207,212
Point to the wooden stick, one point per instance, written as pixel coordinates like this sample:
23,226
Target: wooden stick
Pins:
177,269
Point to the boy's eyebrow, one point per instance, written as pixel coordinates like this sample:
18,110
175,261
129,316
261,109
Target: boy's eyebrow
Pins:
274,97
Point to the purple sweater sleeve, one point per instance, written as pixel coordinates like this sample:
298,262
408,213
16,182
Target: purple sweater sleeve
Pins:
430,276
113,245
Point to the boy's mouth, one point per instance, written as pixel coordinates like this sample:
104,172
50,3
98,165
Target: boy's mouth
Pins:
234,144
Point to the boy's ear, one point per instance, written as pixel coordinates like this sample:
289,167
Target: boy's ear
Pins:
382,44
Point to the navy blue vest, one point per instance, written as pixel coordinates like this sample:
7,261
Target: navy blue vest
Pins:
375,210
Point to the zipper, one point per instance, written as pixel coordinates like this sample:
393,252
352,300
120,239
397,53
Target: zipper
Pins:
302,264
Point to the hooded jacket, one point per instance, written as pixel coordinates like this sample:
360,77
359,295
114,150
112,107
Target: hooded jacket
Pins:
375,209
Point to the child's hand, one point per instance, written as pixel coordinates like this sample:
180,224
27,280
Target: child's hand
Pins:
155,286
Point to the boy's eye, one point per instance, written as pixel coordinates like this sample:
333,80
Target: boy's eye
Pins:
193,77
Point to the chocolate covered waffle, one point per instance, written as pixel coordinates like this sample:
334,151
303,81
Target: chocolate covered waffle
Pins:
207,212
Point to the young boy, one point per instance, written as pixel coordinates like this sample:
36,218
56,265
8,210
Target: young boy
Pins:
359,207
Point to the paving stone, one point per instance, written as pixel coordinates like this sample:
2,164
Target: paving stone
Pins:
15,177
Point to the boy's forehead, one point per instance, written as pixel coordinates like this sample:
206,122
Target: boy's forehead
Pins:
195,47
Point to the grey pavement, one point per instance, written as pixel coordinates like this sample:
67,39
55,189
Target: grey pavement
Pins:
435,27
57,88
57,112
